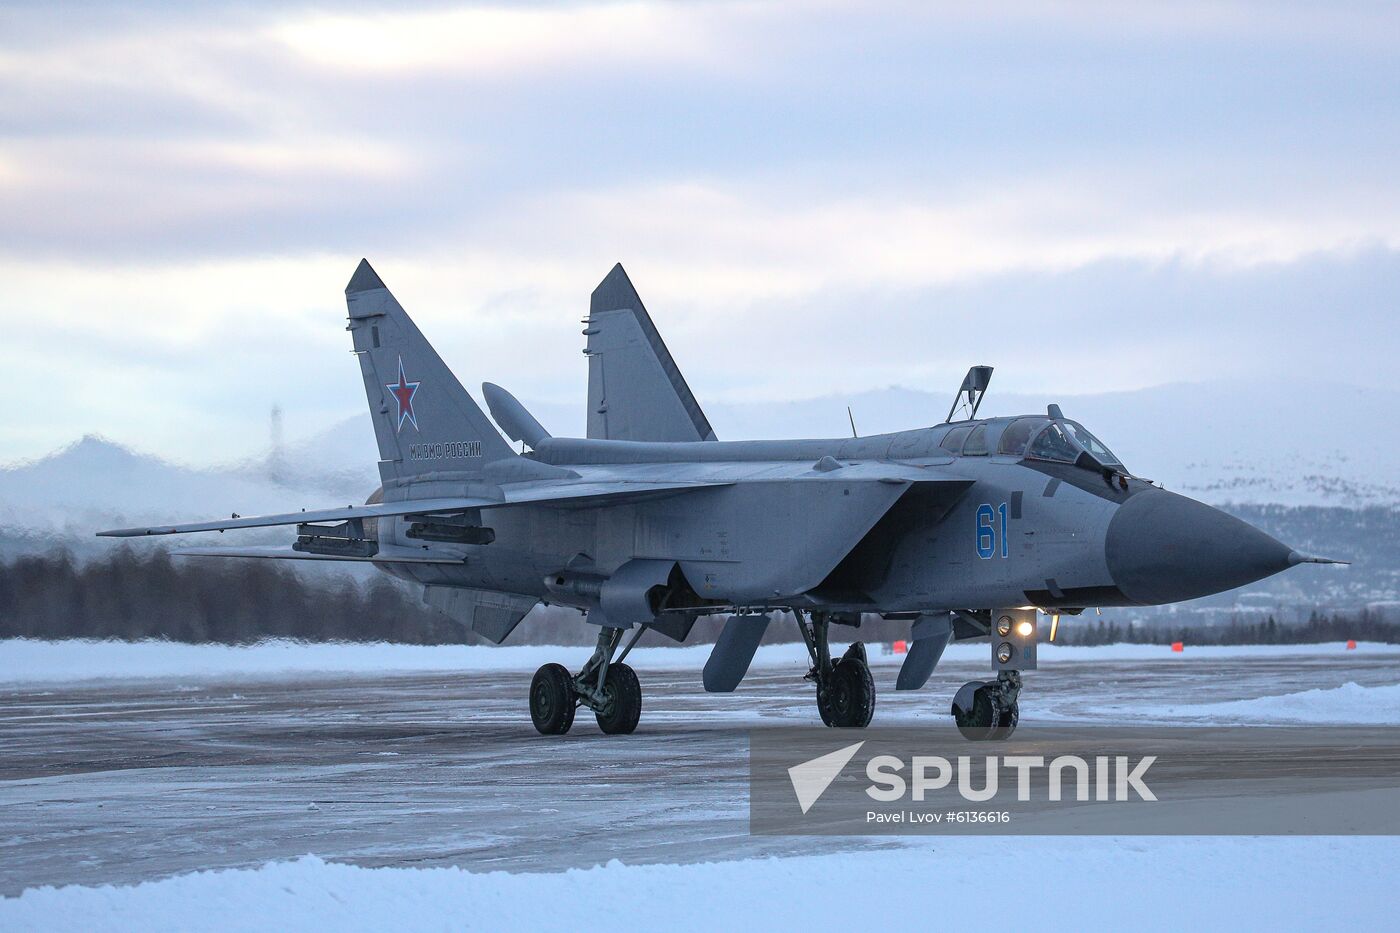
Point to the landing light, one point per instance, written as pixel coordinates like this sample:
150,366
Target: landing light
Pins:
1025,629
1004,626
1003,652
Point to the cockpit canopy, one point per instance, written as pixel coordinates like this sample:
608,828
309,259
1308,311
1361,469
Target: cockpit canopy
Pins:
1036,438
1059,440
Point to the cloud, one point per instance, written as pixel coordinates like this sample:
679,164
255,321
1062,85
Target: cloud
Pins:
1040,124
823,196
506,40
745,241
190,363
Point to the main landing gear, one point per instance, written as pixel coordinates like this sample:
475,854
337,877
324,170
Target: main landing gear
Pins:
987,710
605,685
845,689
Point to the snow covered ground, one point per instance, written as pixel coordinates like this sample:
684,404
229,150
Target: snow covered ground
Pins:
1350,703
968,883
26,661
129,766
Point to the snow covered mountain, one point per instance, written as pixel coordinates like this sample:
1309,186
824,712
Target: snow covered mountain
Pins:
1283,443
1227,443
96,483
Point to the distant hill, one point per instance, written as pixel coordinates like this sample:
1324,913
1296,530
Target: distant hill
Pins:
1279,443
1331,449
96,483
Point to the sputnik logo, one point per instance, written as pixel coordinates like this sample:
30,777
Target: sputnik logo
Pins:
811,778
403,392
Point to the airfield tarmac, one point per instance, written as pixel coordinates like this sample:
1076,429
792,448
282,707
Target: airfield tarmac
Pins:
118,782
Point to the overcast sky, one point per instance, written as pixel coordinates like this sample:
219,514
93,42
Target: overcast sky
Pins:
810,197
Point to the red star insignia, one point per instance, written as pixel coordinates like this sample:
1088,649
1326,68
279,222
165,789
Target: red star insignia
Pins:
403,393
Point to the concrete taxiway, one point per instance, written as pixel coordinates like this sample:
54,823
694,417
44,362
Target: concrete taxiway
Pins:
127,781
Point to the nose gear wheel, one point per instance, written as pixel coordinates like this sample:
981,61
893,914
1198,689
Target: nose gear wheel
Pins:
987,711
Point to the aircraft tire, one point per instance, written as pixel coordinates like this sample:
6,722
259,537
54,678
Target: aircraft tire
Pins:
979,720
552,700
1006,723
848,699
622,709
824,705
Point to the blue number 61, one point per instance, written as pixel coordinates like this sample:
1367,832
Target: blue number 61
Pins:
987,531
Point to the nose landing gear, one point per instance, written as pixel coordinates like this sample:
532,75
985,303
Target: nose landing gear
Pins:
987,710
606,686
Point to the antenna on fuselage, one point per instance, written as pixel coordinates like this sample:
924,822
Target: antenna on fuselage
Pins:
969,397
853,421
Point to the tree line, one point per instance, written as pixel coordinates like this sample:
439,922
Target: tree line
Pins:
135,594
1319,629
131,595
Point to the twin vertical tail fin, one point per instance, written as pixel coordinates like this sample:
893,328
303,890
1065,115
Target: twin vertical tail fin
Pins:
635,390
424,421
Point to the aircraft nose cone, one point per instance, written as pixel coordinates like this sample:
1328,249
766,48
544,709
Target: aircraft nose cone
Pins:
1163,548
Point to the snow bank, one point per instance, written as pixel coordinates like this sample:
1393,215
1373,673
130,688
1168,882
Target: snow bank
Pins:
1053,653
26,661
30,661
1350,703
1074,883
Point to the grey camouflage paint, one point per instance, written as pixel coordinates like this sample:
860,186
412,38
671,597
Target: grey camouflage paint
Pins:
651,518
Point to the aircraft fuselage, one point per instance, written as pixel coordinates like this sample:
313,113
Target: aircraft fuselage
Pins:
1018,531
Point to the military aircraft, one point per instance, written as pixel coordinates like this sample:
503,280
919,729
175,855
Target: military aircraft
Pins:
966,528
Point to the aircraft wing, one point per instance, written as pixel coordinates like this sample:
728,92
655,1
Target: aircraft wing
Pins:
576,495
385,555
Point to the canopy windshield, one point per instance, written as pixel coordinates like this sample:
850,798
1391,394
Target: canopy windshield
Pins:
1059,440
1037,438
1092,444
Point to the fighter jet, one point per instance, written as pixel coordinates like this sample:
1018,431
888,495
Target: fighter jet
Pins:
969,529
